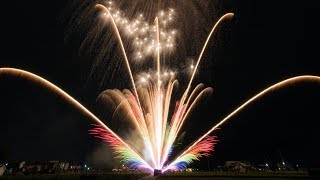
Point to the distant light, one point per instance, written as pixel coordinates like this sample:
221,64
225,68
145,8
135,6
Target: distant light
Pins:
166,74
6,164
172,73
143,79
148,75
267,164
139,53
283,163
85,165
192,66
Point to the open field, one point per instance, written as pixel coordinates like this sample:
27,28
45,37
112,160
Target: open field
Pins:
237,175
175,176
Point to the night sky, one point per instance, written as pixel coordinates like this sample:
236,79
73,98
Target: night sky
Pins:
265,43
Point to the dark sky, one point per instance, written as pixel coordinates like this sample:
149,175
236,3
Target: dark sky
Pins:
266,42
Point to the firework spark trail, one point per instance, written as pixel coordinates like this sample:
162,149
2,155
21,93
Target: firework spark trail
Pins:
142,124
159,101
139,110
276,86
178,121
226,16
207,90
116,142
194,92
103,8
157,49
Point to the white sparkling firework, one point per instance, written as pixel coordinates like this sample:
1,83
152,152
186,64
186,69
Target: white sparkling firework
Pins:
141,33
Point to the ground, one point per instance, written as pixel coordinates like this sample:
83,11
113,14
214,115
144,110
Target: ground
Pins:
174,176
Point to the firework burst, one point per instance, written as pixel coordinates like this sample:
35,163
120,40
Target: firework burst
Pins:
201,147
150,103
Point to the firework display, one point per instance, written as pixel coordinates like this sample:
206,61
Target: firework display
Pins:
148,105
150,102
